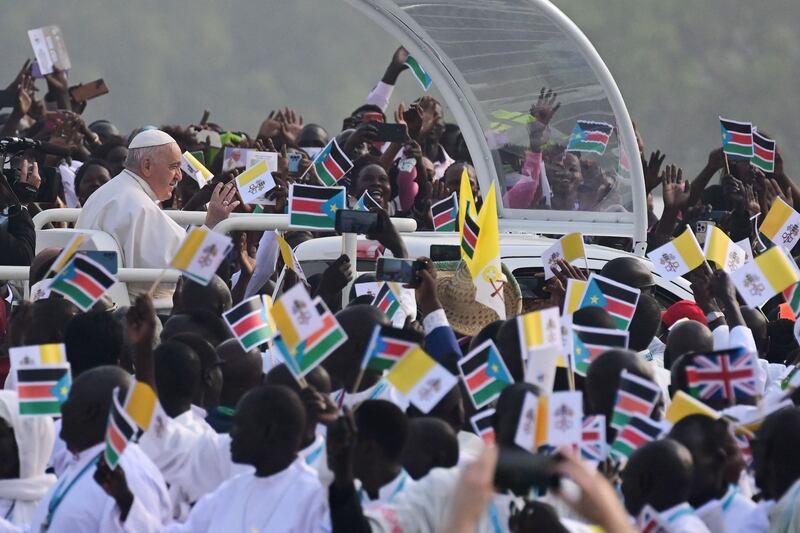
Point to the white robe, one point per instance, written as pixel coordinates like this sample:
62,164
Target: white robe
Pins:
191,420
127,209
86,506
290,501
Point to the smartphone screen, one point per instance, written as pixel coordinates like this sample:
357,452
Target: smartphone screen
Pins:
294,162
445,252
352,221
107,259
398,270
395,133
87,91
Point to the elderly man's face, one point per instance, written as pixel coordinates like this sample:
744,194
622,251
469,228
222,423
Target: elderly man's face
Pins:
163,171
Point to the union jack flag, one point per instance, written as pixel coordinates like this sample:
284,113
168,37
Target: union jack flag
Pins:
744,446
722,375
593,438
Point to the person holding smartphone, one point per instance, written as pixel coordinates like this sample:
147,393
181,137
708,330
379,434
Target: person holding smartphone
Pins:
17,233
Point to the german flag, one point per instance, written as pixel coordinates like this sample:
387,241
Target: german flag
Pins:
314,207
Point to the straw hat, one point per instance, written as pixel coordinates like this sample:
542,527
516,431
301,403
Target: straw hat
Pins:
457,294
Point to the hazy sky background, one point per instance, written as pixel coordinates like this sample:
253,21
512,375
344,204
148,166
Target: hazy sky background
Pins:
167,60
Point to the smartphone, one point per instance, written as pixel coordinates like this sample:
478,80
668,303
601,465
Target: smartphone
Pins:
445,252
371,116
106,258
36,72
87,91
352,221
405,165
520,471
702,229
294,162
48,189
399,270
395,133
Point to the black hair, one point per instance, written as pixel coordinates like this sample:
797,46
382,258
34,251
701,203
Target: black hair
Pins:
93,339
81,172
178,370
385,424
360,164
213,327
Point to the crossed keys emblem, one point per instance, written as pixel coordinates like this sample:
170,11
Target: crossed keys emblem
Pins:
495,278
209,253
669,261
563,415
790,234
430,387
528,422
256,187
299,310
753,285
553,259
733,260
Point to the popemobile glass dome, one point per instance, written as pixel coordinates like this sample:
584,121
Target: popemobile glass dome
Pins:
490,59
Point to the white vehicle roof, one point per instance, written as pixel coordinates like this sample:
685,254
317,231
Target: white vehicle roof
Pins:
489,61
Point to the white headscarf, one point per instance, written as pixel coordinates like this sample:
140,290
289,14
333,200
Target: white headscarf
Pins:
34,436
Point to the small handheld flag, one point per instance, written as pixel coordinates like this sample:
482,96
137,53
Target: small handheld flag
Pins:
635,396
482,424
792,296
195,169
295,316
201,253
255,182
763,152
575,290
83,281
420,74
593,438
569,248
617,299
445,214
722,375
765,276
588,343
37,354
484,373
683,405
623,169
289,259
589,136
66,254
781,225
120,431
386,300
140,403
561,422
466,205
737,138
311,350
313,207
485,265
251,321
638,431
331,164
679,256
387,347
525,436
421,379
367,203
537,329
722,251
42,389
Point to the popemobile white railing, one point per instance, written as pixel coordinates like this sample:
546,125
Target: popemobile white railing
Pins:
236,222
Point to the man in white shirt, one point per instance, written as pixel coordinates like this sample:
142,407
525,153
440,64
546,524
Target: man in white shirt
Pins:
127,207
282,495
76,502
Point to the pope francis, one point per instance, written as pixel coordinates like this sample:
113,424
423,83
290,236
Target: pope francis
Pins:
127,207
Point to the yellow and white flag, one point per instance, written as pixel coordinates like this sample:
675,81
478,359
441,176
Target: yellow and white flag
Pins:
537,329
255,182
560,419
486,269
679,256
289,259
765,276
569,248
782,224
66,254
140,404
195,169
421,379
574,297
296,316
201,253
722,251
37,355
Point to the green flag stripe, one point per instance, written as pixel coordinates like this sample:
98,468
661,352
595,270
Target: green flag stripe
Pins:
487,393
738,149
320,350
39,408
323,174
316,221
80,298
255,338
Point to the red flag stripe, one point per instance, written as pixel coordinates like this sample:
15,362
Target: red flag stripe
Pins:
617,307
597,137
632,404
763,153
88,284
118,441
740,138
395,348
333,167
307,206
443,218
247,324
33,392
478,378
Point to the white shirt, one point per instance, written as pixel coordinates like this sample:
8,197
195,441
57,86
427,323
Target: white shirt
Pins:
193,421
682,519
389,492
382,390
197,462
287,502
85,505
758,520
127,209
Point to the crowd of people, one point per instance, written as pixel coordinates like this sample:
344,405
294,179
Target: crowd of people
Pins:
238,443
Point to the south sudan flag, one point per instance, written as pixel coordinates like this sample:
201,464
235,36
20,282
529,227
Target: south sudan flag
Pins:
332,164
83,282
445,214
314,207
737,138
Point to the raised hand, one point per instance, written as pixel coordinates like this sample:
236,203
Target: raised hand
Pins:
675,190
115,485
425,288
542,113
222,203
290,126
141,321
319,406
24,100
271,126
651,168
396,66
